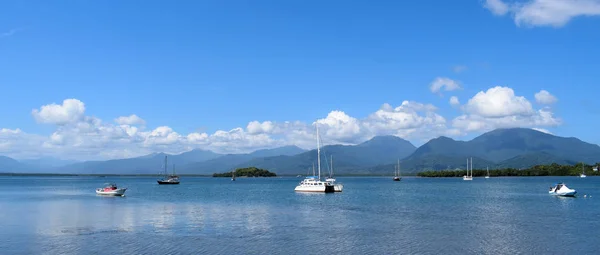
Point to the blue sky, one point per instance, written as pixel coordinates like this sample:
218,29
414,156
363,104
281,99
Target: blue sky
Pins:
198,67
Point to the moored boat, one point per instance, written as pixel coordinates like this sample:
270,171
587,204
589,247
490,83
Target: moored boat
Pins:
111,189
560,189
314,183
169,179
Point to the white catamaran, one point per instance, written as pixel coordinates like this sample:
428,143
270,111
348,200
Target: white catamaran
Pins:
314,183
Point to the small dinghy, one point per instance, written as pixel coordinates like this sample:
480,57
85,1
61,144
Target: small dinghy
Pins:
562,190
111,189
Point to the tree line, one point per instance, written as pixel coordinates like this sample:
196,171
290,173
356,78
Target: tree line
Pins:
538,170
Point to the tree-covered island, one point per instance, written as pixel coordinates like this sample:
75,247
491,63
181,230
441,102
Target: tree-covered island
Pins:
247,172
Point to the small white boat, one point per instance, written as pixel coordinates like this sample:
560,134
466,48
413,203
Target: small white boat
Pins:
562,190
488,173
582,175
111,189
469,177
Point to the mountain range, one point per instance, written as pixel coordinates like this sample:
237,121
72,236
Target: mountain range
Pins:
501,148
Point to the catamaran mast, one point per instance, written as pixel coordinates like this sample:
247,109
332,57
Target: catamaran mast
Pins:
318,152
331,167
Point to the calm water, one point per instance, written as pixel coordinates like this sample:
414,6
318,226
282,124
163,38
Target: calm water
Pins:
58,215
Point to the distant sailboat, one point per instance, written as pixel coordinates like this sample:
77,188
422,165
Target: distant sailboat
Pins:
582,175
233,175
469,177
488,173
169,179
397,176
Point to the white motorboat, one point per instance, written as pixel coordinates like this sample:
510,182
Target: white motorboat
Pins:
314,183
469,177
111,189
562,190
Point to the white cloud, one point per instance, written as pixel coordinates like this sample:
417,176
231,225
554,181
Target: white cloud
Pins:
499,102
454,101
497,7
499,107
77,136
70,111
544,97
542,130
443,83
555,13
131,120
255,127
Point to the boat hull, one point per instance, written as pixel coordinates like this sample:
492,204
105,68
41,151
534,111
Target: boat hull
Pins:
397,179
117,192
167,182
563,194
318,189
465,178
338,187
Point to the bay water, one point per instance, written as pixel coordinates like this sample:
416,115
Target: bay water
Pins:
374,215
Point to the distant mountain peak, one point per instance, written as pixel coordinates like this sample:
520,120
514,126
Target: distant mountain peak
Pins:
383,139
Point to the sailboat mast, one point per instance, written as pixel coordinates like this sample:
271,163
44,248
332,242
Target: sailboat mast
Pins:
331,166
318,152
398,167
166,165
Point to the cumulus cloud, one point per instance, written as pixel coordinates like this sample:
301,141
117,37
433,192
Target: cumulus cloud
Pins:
544,97
454,101
555,13
71,110
131,120
499,102
78,136
499,107
443,83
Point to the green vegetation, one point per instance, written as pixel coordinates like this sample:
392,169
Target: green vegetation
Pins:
247,172
539,170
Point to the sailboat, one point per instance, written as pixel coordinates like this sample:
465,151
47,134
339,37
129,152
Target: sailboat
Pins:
469,177
488,172
233,175
397,176
337,187
169,179
582,175
314,183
